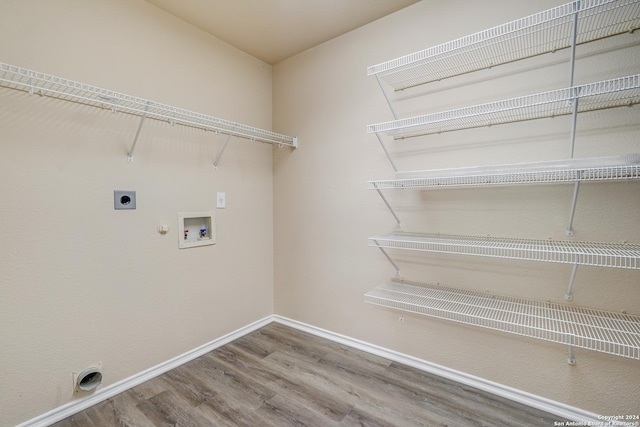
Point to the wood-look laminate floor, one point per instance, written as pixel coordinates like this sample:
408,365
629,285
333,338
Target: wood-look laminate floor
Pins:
279,376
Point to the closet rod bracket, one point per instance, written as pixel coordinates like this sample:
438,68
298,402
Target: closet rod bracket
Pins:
135,139
224,147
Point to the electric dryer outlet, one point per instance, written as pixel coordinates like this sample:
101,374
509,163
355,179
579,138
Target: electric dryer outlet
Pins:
124,199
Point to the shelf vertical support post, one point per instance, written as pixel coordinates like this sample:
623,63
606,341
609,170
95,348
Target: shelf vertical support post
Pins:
384,148
574,202
572,64
30,83
574,39
386,97
569,295
571,358
224,147
135,139
574,120
388,257
384,199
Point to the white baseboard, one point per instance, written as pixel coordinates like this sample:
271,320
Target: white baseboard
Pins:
105,393
564,412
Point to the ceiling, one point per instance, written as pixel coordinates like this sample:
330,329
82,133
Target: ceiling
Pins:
273,30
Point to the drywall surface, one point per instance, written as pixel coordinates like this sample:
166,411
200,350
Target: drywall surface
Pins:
82,283
324,214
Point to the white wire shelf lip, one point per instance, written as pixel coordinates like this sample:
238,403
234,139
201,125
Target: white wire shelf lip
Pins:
540,33
602,331
611,93
15,77
617,255
607,168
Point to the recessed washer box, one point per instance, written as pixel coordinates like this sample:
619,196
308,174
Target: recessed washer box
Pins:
196,229
123,199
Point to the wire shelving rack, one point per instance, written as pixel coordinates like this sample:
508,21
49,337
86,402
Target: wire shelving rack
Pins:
615,255
592,96
16,77
543,32
565,26
607,168
602,331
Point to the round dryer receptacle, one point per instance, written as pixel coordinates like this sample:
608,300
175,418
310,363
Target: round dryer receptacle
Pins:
89,379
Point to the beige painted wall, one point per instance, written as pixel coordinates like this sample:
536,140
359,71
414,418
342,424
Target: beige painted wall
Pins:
81,283
324,214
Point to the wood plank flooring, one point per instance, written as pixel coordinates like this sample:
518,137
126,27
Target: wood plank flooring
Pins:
279,376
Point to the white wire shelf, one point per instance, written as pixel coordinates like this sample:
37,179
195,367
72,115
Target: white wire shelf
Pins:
15,77
602,331
558,171
592,96
618,255
533,35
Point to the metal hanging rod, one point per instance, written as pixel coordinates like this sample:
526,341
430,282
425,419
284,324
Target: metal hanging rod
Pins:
593,96
557,171
615,255
540,33
602,331
15,77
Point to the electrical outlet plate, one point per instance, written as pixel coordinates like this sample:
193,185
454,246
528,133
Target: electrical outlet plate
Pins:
124,199
221,200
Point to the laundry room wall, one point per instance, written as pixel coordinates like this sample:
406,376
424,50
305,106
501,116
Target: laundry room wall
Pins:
324,213
82,283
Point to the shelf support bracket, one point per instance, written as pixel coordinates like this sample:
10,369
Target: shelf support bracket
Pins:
574,202
569,295
224,147
384,148
384,199
386,97
135,139
388,257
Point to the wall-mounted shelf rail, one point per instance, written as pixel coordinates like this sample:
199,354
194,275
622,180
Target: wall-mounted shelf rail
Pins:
543,32
607,332
15,77
592,96
618,255
607,168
